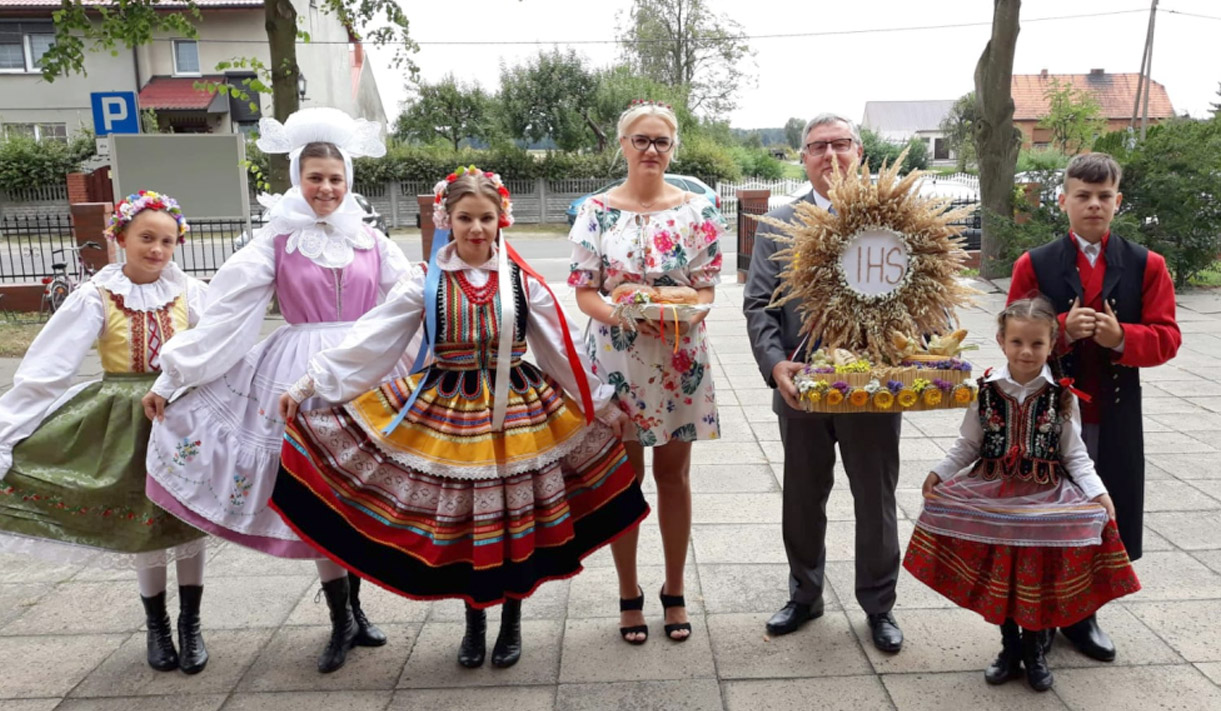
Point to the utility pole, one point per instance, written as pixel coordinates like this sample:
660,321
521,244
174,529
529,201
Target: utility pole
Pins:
1146,77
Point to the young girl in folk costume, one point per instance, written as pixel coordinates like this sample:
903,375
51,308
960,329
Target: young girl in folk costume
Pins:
1026,536
482,476
73,458
214,453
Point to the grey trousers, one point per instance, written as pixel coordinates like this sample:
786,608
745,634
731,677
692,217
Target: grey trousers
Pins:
869,444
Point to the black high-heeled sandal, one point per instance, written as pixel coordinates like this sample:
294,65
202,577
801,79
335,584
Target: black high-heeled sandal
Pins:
668,601
629,605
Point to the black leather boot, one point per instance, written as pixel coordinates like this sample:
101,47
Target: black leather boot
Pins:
474,643
1008,664
1038,674
508,643
369,635
193,654
343,625
161,653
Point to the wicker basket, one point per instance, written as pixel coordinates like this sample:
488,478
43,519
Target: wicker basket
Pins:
905,374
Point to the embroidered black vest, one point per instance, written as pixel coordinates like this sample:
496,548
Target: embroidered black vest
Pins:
1020,441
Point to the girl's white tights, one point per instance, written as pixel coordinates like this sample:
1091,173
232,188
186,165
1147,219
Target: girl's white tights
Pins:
151,578
329,570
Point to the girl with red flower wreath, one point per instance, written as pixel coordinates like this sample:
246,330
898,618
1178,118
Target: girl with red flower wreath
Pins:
1027,536
481,476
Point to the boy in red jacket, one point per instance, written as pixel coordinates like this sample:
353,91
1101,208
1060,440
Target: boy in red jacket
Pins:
1116,304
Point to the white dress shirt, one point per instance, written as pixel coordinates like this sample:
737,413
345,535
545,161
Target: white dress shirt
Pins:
1073,454
1091,250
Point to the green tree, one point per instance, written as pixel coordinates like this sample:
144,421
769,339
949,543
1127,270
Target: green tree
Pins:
82,26
878,150
1172,186
1216,105
684,43
27,163
619,85
1074,117
553,94
959,129
792,132
450,109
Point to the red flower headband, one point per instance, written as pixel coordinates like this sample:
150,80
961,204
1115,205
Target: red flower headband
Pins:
440,216
649,102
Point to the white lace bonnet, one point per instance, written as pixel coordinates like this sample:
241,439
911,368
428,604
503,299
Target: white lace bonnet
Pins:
355,138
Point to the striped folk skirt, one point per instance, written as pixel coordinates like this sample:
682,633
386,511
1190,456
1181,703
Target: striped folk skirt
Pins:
445,507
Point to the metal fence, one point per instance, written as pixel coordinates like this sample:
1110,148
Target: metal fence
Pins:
27,244
209,244
729,197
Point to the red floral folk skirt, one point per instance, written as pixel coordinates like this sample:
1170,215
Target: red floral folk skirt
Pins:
1007,550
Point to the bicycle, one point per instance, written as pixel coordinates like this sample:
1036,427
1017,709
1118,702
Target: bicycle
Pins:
61,283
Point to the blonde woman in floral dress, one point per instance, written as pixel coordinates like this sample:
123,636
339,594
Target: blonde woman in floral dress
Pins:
647,231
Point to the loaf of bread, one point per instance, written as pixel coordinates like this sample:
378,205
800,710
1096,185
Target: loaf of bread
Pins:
676,295
634,294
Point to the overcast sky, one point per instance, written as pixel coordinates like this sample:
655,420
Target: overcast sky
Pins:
807,75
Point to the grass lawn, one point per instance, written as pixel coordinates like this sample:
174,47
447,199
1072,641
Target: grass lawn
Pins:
15,338
794,171
1209,278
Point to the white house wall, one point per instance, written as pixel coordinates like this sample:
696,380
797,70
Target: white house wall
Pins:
28,98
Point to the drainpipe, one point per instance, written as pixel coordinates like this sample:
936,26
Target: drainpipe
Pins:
135,64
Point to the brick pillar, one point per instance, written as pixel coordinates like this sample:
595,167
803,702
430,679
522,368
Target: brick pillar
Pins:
89,220
750,202
78,188
427,228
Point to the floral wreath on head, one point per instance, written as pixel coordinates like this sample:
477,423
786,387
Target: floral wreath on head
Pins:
138,202
440,216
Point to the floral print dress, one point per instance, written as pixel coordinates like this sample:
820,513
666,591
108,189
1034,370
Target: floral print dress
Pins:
667,393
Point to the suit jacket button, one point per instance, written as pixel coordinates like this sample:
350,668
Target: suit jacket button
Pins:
1116,401
1115,376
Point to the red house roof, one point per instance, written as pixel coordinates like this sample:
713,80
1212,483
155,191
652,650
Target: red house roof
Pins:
176,93
1116,93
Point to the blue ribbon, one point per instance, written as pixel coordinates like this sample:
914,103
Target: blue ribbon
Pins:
432,282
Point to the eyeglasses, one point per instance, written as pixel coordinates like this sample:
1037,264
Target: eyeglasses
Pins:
663,144
839,145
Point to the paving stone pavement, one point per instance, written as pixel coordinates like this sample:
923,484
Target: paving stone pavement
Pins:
72,638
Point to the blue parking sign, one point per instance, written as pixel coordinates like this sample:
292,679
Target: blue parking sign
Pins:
114,112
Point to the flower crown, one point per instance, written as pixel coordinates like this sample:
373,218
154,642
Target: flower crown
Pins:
440,216
648,102
136,203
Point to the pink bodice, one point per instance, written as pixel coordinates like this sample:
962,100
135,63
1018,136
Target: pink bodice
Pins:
309,293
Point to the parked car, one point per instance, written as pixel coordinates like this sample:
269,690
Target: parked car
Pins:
372,217
683,182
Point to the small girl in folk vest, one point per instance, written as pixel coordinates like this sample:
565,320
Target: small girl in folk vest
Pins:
72,458
1026,536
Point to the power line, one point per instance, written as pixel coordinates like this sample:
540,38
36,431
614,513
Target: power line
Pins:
1191,14
792,35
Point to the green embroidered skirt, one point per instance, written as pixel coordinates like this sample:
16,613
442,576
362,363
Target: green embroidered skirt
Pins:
79,479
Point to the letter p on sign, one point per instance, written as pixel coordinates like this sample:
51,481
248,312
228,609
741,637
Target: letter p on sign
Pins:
114,112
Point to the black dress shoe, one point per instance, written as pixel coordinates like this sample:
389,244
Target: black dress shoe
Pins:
792,616
886,633
1090,640
1008,664
1038,674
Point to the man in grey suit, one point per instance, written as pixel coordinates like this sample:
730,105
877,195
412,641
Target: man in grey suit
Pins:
868,442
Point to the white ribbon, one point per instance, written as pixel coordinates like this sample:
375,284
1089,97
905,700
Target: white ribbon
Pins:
504,350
